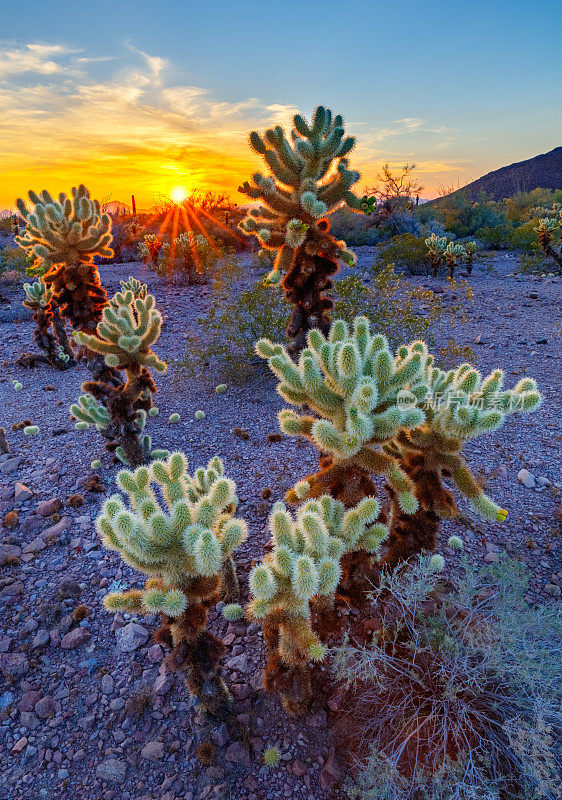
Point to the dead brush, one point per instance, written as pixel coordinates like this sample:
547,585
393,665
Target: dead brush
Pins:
456,697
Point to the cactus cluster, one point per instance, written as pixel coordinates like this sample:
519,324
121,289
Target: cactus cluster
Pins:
65,235
440,249
547,228
149,249
397,415
178,530
309,178
191,254
124,336
50,332
299,575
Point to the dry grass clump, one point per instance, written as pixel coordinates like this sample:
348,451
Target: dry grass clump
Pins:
458,695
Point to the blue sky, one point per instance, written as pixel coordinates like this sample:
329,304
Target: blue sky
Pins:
458,88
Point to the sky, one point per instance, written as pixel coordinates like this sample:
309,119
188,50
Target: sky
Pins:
139,97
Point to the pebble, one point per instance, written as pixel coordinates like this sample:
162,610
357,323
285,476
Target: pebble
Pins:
75,638
153,751
111,770
526,478
130,637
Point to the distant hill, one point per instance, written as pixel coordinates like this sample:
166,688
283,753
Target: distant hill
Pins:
540,172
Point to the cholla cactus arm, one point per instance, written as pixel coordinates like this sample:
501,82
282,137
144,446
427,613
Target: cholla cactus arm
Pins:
181,543
453,252
461,406
303,569
295,200
436,246
66,234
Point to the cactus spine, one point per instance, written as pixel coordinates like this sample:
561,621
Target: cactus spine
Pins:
300,576
178,530
129,326
295,200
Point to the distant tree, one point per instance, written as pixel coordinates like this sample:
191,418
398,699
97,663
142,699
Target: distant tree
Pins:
395,190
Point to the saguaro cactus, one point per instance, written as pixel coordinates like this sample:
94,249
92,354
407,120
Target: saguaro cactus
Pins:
129,326
178,530
67,234
49,334
295,200
300,576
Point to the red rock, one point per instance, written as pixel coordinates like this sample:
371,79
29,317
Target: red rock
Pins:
27,702
48,507
75,638
19,746
298,768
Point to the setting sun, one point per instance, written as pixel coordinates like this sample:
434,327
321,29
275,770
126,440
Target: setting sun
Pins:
178,194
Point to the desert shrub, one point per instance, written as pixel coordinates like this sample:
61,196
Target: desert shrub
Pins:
124,244
458,695
224,339
13,260
407,251
464,217
357,230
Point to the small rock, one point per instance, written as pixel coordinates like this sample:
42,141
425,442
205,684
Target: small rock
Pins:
13,665
75,638
543,482
41,639
107,684
28,701
553,590
111,770
49,507
153,751
45,708
526,478
29,720
162,684
9,551
155,653
21,492
9,466
19,746
237,753
130,637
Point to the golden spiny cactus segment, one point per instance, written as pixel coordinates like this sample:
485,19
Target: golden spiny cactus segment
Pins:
37,295
67,230
175,528
305,565
127,330
363,394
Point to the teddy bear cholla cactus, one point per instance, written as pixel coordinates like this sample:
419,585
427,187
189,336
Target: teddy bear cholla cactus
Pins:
149,248
178,530
49,334
129,326
546,230
66,234
460,406
309,179
375,412
192,253
435,251
300,576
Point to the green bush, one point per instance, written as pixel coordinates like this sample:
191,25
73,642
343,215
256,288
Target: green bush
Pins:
13,260
222,345
406,251
458,696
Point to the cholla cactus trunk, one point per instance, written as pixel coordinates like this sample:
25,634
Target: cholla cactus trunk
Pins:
296,199
194,650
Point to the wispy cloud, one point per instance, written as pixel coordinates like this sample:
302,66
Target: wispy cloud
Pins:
138,131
